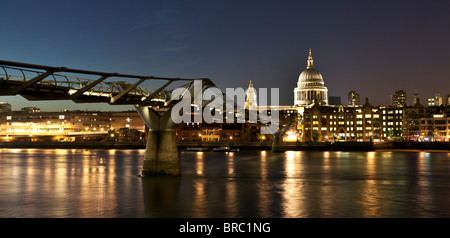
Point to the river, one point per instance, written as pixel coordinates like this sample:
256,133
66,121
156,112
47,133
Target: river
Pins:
80,183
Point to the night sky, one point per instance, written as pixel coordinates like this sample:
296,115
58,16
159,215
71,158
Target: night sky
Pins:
372,47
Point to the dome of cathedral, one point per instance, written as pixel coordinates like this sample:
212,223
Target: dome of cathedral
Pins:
310,88
310,76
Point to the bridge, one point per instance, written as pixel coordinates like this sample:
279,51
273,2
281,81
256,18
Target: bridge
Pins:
150,95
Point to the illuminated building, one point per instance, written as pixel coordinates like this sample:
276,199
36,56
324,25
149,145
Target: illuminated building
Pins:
342,123
310,86
392,122
438,99
223,132
427,124
68,126
31,109
399,99
251,101
5,107
435,101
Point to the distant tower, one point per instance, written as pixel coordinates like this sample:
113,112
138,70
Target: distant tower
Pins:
399,99
416,100
438,99
353,99
250,102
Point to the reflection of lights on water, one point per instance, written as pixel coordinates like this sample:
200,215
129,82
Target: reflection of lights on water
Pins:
293,188
290,164
230,165
16,150
345,154
424,163
199,164
421,155
290,153
371,155
371,165
264,171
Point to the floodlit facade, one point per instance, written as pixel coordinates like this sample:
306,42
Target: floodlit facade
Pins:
342,123
251,99
399,99
376,124
35,125
427,124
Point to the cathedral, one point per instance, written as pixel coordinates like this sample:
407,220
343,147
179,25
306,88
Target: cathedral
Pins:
310,90
310,87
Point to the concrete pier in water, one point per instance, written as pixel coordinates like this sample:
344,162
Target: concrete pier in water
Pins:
161,153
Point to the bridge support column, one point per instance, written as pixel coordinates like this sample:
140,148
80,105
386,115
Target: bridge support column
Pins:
161,153
277,143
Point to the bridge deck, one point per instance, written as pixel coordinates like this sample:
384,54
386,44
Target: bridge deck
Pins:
37,82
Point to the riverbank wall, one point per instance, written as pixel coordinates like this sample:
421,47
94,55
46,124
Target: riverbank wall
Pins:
199,146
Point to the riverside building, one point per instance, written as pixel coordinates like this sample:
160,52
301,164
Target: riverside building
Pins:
34,125
427,124
367,123
342,123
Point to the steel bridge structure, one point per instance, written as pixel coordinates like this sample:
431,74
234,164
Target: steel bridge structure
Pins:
150,95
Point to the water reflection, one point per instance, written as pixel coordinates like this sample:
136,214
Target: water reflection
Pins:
67,183
104,183
160,196
293,187
200,163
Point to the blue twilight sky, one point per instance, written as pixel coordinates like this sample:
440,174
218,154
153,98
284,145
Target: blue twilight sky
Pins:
373,47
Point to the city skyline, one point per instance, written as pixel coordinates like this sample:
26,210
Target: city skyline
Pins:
373,48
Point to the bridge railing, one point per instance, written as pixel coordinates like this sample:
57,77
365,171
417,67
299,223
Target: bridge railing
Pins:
16,75
24,79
